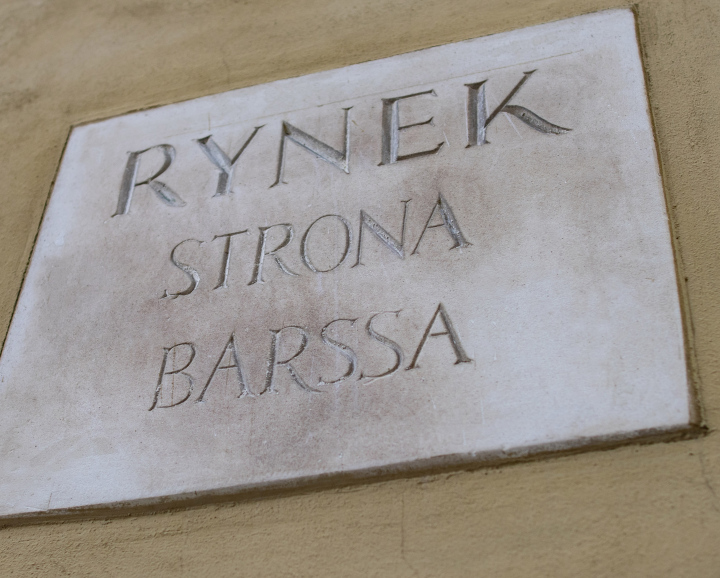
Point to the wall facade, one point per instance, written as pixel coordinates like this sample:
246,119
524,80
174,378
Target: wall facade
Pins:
638,510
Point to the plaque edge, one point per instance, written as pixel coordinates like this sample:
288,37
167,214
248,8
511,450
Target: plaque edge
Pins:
434,466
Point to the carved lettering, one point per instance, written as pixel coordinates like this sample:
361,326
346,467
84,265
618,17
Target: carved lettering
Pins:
129,180
304,244
478,119
338,159
181,371
460,355
387,343
273,360
223,162
342,349
367,222
225,270
187,269
448,221
230,359
262,253
235,364
391,130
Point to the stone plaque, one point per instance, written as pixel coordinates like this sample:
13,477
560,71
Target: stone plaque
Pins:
455,255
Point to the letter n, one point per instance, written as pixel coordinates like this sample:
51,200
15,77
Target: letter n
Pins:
338,159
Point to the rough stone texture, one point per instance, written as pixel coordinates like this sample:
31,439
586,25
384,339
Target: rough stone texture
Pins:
635,511
528,284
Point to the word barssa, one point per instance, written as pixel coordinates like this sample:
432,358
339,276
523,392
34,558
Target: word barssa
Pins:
235,363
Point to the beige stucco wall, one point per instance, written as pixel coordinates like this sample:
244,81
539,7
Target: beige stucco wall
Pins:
642,510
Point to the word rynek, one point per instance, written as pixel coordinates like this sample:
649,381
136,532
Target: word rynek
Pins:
478,121
234,363
441,211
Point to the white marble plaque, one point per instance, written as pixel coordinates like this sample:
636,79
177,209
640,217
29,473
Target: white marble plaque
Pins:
449,256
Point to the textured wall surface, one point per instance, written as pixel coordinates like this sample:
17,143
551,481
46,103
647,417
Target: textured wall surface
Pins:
641,510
